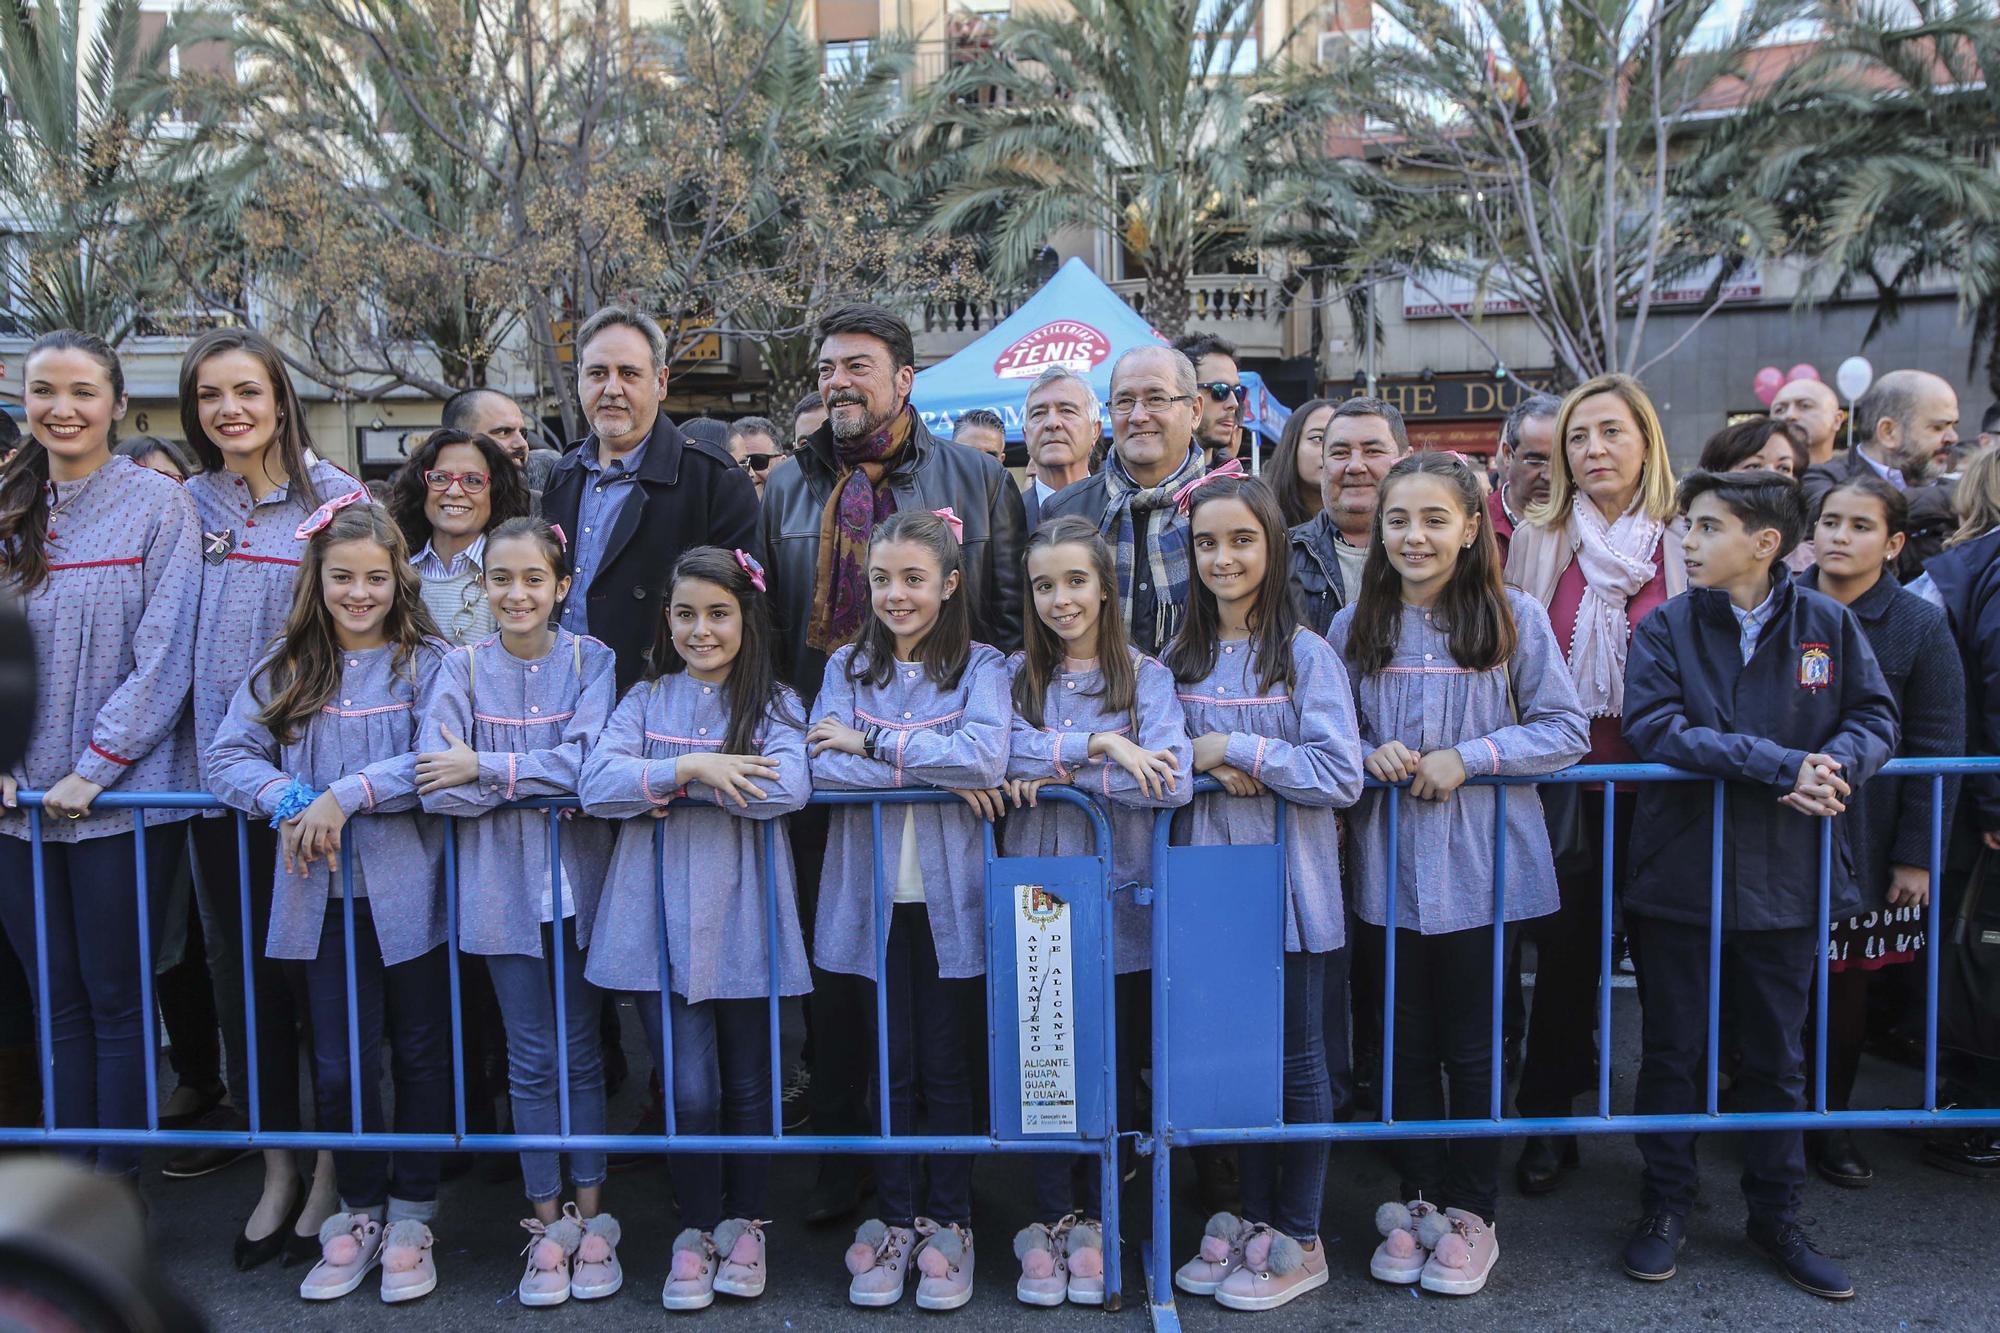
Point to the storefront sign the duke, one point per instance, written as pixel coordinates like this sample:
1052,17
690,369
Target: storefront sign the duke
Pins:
1068,343
1044,1001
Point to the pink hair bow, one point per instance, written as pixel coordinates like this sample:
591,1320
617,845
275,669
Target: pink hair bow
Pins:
748,563
956,524
562,538
1184,497
323,515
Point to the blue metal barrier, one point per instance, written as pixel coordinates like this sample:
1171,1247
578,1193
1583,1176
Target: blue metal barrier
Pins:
1083,883
1189,1065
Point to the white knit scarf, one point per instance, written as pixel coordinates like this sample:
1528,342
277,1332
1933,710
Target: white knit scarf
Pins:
1617,561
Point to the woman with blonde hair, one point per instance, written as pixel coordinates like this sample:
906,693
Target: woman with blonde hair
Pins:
1965,581
1600,553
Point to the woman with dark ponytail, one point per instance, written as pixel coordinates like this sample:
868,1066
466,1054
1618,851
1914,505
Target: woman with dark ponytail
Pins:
105,555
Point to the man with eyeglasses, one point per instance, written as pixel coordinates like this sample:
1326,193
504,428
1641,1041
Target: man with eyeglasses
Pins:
1220,385
1527,440
1154,414
1364,438
753,443
1062,422
636,492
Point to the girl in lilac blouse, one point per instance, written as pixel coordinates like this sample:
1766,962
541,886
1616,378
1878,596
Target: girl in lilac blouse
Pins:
1092,712
103,555
710,723
322,734
914,702
1455,675
510,718
1268,707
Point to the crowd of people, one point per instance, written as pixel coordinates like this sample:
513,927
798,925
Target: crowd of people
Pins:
855,604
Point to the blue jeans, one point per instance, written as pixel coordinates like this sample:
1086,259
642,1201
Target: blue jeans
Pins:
410,1005
95,1023
525,988
722,1085
1283,1183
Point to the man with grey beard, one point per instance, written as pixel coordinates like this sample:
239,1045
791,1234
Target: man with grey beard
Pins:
1904,430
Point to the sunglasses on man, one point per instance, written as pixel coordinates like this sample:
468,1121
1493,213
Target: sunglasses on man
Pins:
759,462
1218,391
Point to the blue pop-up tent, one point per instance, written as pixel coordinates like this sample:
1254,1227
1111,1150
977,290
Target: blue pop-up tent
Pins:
1075,321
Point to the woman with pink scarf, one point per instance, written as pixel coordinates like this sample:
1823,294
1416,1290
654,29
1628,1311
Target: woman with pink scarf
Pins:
1600,553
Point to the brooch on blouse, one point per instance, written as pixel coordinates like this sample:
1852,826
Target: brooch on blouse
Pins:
216,546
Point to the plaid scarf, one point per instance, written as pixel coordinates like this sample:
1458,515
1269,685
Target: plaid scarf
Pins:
1166,539
861,498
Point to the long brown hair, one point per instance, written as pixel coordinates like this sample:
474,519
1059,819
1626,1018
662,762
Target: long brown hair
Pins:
1118,677
24,515
753,688
291,441
1473,603
948,647
304,672
1294,500
1275,618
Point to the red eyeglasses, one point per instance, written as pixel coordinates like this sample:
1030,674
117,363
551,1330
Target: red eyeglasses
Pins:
471,482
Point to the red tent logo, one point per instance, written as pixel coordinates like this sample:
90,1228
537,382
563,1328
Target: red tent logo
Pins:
1065,342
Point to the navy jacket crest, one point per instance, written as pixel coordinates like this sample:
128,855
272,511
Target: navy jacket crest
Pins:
1811,686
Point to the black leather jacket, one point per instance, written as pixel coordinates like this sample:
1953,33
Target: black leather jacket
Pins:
932,474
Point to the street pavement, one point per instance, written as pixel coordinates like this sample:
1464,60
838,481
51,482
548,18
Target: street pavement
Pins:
1919,1245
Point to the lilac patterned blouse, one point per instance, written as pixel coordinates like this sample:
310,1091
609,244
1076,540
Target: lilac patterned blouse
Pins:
1059,750
361,747
715,898
114,632
1301,743
531,724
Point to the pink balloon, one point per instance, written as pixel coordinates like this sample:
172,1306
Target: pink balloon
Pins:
1802,371
1769,380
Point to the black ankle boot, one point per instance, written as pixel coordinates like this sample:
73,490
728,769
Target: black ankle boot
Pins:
1543,1158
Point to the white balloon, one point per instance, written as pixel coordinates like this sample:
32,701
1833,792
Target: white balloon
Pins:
1854,377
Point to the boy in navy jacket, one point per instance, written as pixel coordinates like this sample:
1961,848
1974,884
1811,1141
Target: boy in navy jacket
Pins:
1773,687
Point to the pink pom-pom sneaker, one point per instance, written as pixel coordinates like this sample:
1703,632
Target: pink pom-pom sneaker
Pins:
877,1263
740,1243
691,1279
1220,1255
546,1279
350,1245
409,1268
594,1272
944,1265
1463,1257
1276,1269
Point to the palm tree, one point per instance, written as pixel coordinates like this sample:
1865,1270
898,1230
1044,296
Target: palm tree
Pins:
84,111
1141,119
1889,131
776,198
1554,154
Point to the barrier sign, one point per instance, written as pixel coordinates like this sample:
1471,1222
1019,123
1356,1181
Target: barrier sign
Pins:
1045,1010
